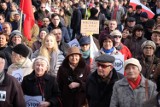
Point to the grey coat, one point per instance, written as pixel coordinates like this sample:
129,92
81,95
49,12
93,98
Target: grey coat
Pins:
124,96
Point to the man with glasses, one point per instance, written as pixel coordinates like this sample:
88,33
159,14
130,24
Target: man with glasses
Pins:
100,83
117,35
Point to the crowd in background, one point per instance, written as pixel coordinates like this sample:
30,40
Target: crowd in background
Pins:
63,75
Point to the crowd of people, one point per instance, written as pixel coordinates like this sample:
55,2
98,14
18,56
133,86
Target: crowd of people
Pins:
47,69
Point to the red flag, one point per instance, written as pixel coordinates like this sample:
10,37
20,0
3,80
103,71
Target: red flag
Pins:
134,3
26,7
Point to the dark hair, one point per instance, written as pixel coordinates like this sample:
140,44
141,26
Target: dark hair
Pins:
54,15
137,27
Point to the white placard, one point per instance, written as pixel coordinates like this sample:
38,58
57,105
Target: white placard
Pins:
73,43
18,74
118,64
32,101
2,95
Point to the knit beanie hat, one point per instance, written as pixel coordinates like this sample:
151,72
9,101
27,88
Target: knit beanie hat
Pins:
43,58
148,43
21,49
134,62
15,32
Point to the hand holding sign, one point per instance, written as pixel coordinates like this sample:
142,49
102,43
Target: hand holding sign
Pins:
44,104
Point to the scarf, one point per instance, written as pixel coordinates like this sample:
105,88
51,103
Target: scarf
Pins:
134,84
109,51
85,54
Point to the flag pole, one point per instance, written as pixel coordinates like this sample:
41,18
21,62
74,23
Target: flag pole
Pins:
20,24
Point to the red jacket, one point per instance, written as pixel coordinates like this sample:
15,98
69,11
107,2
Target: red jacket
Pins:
125,51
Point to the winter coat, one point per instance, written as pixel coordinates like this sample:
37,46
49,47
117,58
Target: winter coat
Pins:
153,102
125,51
49,86
99,92
157,52
134,45
14,94
124,96
73,97
26,68
119,15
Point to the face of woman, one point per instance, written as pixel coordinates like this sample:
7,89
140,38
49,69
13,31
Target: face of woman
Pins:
40,67
148,51
125,34
85,47
108,44
16,39
132,72
74,59
139,33
49,42
42,34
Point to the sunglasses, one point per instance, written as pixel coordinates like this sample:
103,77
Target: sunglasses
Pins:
117,36
103,66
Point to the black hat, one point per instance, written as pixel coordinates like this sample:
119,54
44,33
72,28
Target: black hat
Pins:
84,40
104,58
131,19
144,15
93,11
150,23
2,55
21,49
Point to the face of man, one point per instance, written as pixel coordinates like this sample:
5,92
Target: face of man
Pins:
58,34
131,23
104,69
112,25
132,72
56,21
6,28
2,19
46,22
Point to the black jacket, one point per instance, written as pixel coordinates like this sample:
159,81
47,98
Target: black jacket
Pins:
51,90
99,92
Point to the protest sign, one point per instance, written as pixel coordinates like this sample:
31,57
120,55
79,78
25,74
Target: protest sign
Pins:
90,26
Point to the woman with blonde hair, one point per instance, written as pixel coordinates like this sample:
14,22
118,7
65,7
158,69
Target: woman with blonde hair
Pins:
50,50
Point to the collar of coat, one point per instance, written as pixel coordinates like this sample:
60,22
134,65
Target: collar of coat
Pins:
124,81
31,77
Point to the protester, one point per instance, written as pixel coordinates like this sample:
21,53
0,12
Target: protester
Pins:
50,50
72,77
21,64
11,92
117,35
135,41
39,83
100,83
134,89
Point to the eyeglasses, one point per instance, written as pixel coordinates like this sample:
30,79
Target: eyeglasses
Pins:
43,7
103,66
117,36
57,33
148,47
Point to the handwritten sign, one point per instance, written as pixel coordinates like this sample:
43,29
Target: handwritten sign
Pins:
18,74
90,26
119,62
73,43
32,101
